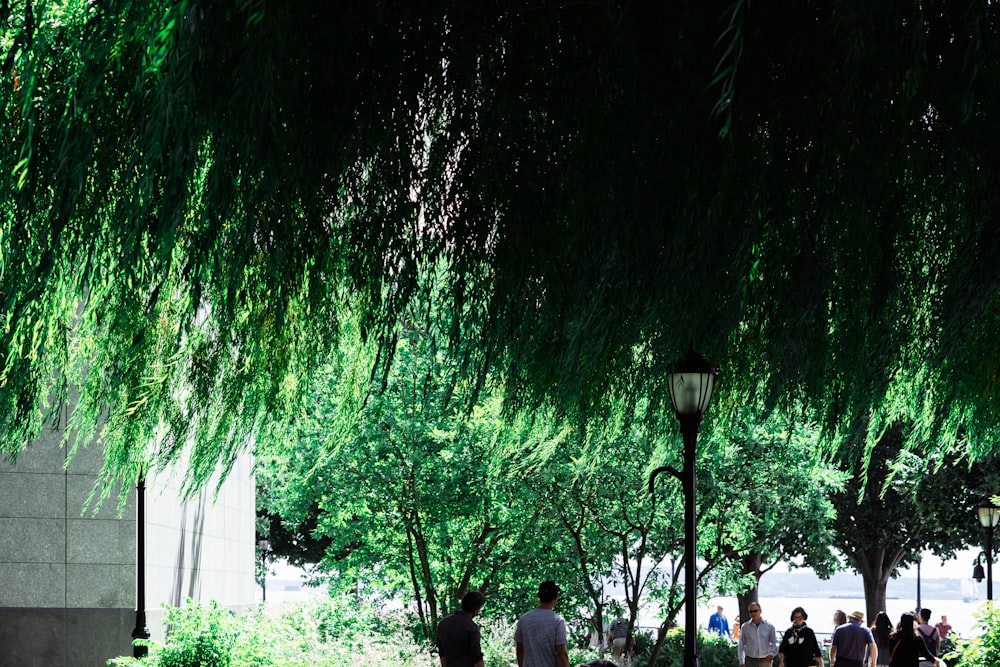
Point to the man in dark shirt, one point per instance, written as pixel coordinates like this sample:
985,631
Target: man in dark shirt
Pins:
850,642
458,635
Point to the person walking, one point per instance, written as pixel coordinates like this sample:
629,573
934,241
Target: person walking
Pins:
758,641
929,633
719,624
847,649
595,635
540,634
799,647
618,638
907,648
881,631
458,638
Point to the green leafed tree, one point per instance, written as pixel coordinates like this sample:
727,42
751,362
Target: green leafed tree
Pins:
902,504
620,533
402,484
771,490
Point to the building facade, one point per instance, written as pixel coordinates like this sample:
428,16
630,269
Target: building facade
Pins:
68,579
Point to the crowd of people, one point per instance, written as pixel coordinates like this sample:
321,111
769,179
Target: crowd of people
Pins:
912,642
541,636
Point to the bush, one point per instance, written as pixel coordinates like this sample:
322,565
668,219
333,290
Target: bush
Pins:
197,636
981,651
324,633
497,640
713,650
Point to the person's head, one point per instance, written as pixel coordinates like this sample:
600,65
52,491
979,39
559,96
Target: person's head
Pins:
925,615
799,616
754,609
882,622
858,616
472,602
906,625
839,617
548,592
944,619
718,610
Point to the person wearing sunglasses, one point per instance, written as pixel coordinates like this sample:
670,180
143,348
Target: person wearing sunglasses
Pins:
758,641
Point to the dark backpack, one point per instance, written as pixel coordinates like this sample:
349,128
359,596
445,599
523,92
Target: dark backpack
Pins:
930,639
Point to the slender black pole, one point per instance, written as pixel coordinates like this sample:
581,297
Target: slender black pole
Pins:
919,559
989,563
690,426
140,631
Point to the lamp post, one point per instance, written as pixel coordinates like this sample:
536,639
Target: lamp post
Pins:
989,517
691,385
141,631
265,547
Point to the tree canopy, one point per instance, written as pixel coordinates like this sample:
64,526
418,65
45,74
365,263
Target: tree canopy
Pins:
193,193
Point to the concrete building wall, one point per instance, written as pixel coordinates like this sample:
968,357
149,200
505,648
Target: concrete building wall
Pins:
68,574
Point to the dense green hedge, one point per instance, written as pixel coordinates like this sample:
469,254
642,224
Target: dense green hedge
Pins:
324,633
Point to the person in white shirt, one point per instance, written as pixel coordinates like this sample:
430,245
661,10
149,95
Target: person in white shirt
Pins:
540,634
758,642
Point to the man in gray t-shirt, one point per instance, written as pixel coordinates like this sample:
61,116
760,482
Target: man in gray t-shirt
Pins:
541,633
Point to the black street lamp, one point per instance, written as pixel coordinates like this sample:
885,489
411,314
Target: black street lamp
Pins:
691,385
989,517
265,548
141,630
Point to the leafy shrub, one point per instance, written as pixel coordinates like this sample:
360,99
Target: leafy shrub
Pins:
713,650
981,651
324,633
497,642
197,636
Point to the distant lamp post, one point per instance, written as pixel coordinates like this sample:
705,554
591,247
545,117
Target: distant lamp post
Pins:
691,385
265,548
141,630
989,517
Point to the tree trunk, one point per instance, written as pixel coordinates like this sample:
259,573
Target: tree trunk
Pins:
661,634
672,607
417,594
875,567
751,564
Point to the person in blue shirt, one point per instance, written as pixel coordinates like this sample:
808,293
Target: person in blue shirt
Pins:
719,624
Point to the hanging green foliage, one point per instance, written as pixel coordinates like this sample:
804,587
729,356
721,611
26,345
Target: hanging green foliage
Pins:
191,191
